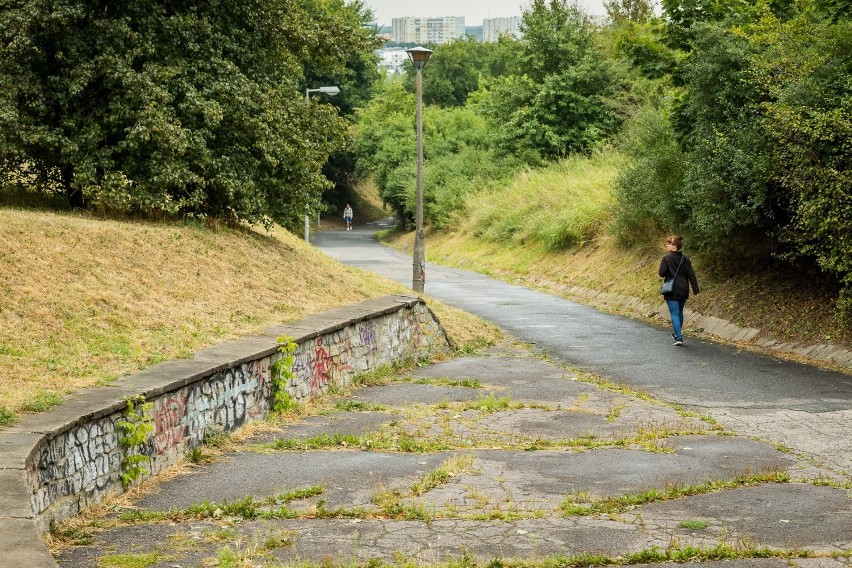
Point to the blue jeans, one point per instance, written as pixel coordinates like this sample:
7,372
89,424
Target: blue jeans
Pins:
676,311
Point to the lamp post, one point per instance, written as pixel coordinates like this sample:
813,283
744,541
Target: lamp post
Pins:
419,56
330,90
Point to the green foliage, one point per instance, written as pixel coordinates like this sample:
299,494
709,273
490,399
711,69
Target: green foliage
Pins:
185,109
729,160
564,101
804,66
358,406
134,430
557,207
456,69
693,525
637,11
644,48
648,189
41,400
584,504
7,417
282,374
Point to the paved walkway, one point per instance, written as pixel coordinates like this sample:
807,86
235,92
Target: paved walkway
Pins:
805,408
512,456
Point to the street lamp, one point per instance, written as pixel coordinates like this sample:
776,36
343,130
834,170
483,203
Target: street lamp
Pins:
419,56
330,90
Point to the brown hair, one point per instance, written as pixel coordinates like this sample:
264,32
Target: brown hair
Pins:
675,240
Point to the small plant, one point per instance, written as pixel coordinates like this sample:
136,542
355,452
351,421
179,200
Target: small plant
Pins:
358,406
693,525
131,560
282,373
444,382
72,535
41,400
455,465
614,412
133,435
7,417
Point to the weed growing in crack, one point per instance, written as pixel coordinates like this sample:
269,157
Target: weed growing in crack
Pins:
583,504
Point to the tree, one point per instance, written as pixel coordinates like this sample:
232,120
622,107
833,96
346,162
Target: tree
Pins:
456,69
637,11
804,66
184,108
564,101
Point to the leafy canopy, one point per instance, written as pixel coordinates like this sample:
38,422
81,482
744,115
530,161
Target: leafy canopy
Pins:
183,108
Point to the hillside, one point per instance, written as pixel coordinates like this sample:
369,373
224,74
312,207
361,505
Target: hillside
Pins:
550,228
84,301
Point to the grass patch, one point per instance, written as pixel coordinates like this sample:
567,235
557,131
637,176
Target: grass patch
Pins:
693,525
445,382
40,401
131,560
390,441
142,292
456,465
580,504
358,406
7,417
490,404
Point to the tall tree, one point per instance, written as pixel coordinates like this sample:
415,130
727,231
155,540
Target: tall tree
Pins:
179,107
564,101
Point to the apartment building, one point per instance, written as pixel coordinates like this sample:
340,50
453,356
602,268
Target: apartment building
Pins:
493,28
435,30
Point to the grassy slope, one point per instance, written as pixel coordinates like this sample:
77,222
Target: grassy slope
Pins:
84,301
501,233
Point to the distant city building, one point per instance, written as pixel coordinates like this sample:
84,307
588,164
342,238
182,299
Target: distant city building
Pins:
392,59
427,30
493,28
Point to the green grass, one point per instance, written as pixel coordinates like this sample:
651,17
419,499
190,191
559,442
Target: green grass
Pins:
693,525
444,382
131,560
40,401
580,504
561,205
358,406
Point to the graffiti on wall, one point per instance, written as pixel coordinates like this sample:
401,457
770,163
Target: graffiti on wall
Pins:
85,462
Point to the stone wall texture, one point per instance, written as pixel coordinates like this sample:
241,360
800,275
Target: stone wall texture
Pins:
55,464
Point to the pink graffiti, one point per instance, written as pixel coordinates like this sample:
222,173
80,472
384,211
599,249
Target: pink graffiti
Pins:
168,415
321,366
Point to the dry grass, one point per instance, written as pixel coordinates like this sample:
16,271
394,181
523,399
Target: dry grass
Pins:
84,301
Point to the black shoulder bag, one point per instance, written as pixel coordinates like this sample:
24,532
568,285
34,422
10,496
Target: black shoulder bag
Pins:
668,286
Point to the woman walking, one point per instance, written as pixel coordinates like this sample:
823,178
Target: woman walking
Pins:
347,216
677,269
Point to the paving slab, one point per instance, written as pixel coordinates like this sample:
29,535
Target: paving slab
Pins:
343,423
786,515
506,502
349,478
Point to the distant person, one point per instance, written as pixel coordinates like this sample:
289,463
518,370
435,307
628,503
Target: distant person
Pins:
676,266
347,216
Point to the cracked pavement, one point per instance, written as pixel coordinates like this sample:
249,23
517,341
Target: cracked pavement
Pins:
733,453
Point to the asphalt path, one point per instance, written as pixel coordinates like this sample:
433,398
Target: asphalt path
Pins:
703,374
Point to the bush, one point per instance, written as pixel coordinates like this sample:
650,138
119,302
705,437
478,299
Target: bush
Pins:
648,190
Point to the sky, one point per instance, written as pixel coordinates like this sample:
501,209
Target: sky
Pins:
474,11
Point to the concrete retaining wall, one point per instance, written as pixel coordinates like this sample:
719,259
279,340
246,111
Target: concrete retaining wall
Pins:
55,464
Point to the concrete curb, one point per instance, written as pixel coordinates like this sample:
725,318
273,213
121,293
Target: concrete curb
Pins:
51,465
711,325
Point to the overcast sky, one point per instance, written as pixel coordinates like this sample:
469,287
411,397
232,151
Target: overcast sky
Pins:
474,11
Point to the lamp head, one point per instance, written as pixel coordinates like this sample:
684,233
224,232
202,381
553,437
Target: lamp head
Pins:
419,56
